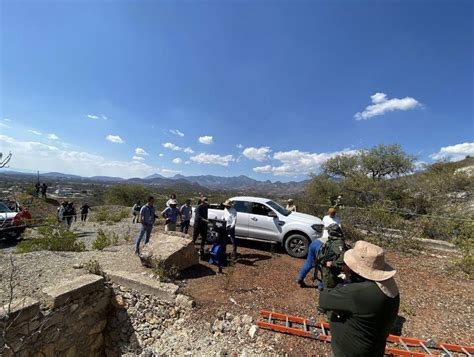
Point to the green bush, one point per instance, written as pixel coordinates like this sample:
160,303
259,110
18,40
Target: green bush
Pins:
104,240
53,237
110,214
126,195
164,272
93,267
464,240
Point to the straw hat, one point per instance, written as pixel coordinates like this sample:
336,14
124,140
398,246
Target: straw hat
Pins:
368,260
290,200
228,203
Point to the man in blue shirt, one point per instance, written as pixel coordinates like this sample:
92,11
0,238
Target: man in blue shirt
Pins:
147,217
170,214
186,212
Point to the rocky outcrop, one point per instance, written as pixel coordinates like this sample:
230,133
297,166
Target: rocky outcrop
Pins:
172,250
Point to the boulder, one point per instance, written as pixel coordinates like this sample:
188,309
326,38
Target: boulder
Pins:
171,249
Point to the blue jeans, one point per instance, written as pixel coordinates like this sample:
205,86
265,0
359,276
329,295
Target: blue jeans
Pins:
185,226
144,231
309,263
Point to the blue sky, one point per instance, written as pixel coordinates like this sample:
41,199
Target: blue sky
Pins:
272,88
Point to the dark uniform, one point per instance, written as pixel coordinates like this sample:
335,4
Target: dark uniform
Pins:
200,224
332,251
361,318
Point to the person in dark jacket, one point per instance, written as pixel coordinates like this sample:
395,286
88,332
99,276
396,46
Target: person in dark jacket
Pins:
332,256
85,208
200,224
362,313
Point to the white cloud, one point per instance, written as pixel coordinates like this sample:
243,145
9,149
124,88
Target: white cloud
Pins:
172,146
97,116
176,132
239,146
454,152
7,119
161,155
382,105
3,125
207,140
169,172
212,159
188,150
138,158
115,139
104,117
177,161
31,155
140,151
187,162
297,162
258,154
267,169
35,132
53,137
92,116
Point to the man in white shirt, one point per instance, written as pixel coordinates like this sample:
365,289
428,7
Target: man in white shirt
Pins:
230,217
291,206
329,219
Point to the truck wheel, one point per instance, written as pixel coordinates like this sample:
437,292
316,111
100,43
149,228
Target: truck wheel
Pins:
297,245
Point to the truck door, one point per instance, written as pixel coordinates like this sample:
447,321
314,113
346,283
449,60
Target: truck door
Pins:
242,224
261,225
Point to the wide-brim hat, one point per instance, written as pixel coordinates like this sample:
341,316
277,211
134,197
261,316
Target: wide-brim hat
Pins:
290,200
228,203
368,260
173,202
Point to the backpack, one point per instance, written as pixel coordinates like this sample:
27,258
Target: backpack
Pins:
137,207
331,251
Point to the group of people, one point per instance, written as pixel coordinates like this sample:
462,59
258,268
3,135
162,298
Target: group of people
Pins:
357,291
66,213
146,215
41,189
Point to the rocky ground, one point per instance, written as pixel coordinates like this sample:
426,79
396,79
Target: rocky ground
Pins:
436,301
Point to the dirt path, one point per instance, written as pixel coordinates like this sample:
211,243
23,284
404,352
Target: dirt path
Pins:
435,303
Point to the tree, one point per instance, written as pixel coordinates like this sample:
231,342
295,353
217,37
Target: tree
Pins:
381,161
386,161
6,160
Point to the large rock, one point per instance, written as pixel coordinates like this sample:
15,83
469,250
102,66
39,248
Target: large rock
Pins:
171,249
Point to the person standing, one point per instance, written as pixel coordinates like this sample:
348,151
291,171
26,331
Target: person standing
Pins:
136,212
147,219
331,257
44,188
291,205
170,214
37,189
186,213
172,197
230,218
310,262
330,218
62,213
361,314
200,224
70,214
85,208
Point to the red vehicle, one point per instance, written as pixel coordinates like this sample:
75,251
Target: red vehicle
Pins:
13,222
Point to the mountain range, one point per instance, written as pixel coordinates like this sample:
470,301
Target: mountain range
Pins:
240,184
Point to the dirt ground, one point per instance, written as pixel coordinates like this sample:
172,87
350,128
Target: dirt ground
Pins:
435,302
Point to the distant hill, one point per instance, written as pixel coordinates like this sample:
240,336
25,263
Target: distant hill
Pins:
239,184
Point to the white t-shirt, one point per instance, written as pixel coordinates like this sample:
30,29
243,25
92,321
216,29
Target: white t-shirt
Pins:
327,221
230,216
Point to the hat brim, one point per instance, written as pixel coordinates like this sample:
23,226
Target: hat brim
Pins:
353,262
389,287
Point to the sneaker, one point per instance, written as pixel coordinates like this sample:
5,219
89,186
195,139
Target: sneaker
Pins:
302,284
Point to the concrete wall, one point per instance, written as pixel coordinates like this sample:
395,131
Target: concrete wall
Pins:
92,317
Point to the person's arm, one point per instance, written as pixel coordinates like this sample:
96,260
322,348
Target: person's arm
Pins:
337,299
164,212
234,219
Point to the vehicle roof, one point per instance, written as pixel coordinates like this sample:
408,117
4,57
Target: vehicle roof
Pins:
251,199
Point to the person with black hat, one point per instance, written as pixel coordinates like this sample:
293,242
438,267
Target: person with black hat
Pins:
362,313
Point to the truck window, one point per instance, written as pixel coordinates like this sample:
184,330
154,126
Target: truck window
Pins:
241,206
258,208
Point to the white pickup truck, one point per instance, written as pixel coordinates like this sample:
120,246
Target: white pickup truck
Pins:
262,219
